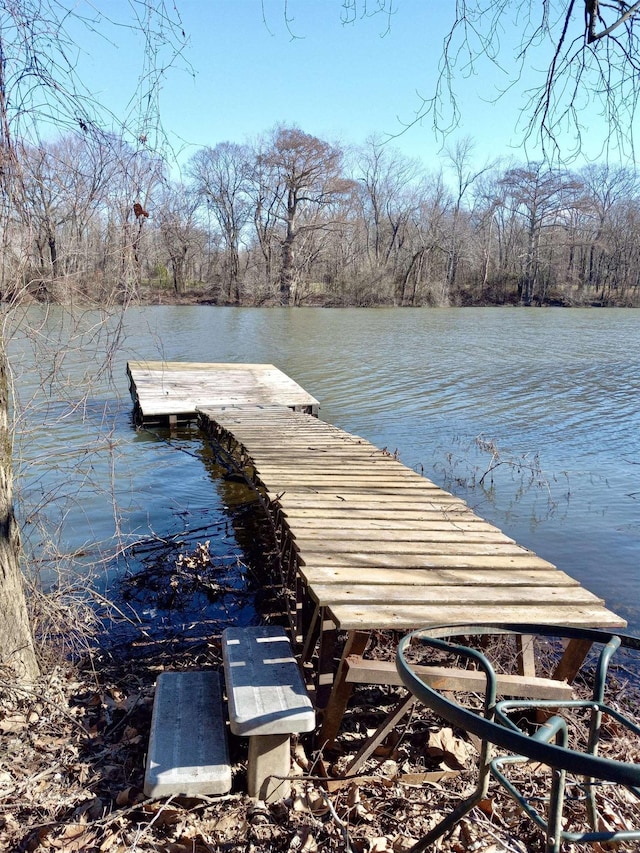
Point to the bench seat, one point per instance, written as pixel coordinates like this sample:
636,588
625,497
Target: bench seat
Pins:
266,692
268,702
188,744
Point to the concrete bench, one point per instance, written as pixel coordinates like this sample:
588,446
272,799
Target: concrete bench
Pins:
188,745
268,702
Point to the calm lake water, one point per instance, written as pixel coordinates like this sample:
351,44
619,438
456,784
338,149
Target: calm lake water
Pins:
554,392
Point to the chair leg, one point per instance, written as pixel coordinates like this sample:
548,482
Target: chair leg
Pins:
594,740
554,818
463,808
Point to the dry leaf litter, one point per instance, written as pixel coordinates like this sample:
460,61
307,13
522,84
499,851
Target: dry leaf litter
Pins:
72,765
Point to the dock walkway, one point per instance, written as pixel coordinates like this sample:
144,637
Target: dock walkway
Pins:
372,545
378,545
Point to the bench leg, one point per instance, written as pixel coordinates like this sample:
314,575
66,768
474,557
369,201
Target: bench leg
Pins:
269,756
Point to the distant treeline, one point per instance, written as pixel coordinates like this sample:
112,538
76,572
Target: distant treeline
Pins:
294,220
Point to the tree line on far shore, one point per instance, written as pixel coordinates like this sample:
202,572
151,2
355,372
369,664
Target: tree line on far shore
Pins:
291,219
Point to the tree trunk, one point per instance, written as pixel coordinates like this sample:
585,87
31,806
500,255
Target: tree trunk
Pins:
531,265
288,277
287,273
53,253
16,643
233,293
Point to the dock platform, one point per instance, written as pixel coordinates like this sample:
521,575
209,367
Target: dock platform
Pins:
172,391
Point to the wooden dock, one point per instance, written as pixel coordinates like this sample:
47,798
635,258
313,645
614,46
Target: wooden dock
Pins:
172,391
371,545
380,546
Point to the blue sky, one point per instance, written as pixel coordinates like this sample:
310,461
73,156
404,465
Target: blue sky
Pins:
250,69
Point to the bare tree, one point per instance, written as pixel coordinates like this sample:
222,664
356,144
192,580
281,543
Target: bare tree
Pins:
311,173
136,179
459,158
40,90
266,190
605,188
387,182
570,58
424,273
177,223
220,176
541,196
63,184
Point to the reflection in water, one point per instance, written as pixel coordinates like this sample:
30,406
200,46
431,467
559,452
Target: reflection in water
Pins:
208,566
555,385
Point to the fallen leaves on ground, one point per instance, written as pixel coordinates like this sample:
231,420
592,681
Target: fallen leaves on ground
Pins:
72,765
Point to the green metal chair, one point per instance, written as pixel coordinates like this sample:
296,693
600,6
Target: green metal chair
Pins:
496,729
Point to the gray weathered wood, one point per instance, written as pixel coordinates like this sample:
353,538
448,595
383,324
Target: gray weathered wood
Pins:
188,744
407,616
438,577
460,595
363,671
380,547
164,388
374,540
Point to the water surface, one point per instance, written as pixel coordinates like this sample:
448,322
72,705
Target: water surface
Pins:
554,392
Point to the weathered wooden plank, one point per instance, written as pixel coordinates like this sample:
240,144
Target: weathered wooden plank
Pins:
364,595
311,538
331,445
150,366
383,471
359,486
330,497
302,525
362,671
299,511
526,560
438,577
360,493
299,428
357,476
270,453
254,414
386,468
363,549
298,441
401,617
303,497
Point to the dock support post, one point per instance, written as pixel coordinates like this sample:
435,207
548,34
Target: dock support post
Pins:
572,659
342,689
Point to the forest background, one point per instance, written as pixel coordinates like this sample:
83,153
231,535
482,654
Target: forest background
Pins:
314,210
292,219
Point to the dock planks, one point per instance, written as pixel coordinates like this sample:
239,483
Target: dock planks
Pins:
380,546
